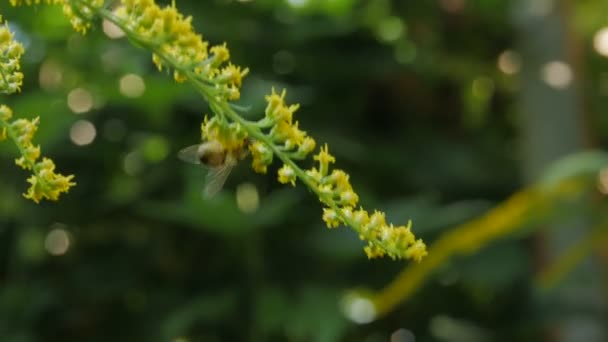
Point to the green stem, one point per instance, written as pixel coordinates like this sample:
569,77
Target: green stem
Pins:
14,138
252,128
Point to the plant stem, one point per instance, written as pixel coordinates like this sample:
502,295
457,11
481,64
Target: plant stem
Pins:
252,128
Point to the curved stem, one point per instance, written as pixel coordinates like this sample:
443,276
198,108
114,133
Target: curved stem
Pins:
252,128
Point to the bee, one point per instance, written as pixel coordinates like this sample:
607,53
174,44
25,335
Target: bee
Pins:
213,156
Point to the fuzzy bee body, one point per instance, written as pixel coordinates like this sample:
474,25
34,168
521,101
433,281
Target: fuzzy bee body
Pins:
217,159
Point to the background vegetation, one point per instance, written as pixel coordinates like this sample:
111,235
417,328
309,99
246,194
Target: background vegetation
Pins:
440,111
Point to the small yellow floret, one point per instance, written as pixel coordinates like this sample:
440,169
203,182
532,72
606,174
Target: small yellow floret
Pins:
220,53
261,157
331,218
45,183
287,175
417,251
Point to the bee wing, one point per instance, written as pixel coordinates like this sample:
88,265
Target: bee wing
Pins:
216,177
189,154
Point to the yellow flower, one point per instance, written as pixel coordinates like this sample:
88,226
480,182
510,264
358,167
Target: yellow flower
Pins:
233,74
287,175
79,12
274,101
331,218
220,53
349,198
347,212
377,219
314,174
45,183
10,55
340,179
261,156
324,159
307,146
361,217
326,190
374,251
5,113
417,251
30,154
174,44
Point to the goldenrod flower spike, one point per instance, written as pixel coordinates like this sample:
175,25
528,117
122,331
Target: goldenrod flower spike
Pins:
332,186
80,13
175,45
44,182
10,54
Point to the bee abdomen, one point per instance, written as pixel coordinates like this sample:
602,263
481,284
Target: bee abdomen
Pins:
213,159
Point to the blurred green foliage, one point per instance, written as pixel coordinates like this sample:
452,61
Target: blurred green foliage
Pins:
409,96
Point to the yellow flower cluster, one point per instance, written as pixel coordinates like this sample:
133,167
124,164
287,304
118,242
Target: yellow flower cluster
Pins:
175,43
80,13
10,54
332,186
231,136
284,132
336,192
44,182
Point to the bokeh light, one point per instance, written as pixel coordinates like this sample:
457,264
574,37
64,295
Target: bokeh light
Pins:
80,100
557,74
600,42
509,62
57,242
402,335
82,132
132,85
359,309
111,30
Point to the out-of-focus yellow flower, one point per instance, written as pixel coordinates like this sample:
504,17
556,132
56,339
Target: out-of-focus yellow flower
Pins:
416,251
80,13
5,115
10,55
45,183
